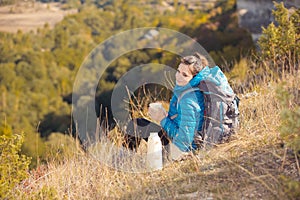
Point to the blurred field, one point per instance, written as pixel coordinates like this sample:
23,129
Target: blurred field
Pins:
27,16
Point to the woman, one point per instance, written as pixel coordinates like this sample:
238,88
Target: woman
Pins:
184,118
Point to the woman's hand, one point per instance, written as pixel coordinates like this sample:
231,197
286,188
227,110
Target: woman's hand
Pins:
157,114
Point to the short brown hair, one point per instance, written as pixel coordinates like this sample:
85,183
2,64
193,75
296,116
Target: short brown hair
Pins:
196,62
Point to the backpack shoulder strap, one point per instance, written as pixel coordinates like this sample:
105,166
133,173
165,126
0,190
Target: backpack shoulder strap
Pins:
193,89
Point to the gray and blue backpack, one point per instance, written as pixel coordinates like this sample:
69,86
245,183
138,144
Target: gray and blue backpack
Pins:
221,114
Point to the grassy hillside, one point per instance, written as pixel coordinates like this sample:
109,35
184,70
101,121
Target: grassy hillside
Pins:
261,161
254,165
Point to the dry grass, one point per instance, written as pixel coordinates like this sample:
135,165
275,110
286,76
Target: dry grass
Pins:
254,165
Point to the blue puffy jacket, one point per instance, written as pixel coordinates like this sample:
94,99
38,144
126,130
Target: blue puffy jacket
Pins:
185,119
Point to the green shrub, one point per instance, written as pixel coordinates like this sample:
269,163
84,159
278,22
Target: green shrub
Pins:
290,117
291,187
45,193
288,95
280,50
279,43
13,166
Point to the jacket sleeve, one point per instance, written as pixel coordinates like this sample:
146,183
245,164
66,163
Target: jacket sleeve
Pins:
169,123
182,130
170,126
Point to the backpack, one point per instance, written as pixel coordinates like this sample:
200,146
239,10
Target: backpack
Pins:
221,114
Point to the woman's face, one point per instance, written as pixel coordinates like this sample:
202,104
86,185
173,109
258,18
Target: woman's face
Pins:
183,75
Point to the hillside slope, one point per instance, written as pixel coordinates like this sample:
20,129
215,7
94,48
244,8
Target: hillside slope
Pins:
254,165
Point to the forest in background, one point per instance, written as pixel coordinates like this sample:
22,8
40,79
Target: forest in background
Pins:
38,69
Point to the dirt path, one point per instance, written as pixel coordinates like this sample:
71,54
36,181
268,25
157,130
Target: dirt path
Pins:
29,16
